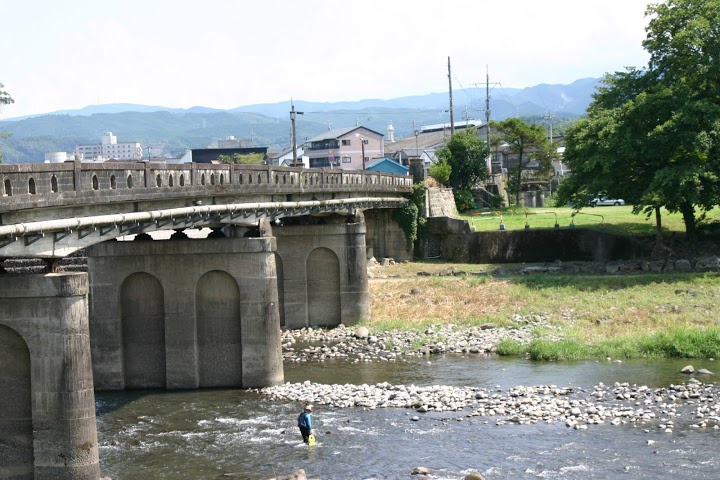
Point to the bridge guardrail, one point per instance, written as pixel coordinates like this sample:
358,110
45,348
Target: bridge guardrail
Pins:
73,183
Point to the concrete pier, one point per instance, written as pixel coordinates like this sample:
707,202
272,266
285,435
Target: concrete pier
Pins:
324,281
185,313
47,404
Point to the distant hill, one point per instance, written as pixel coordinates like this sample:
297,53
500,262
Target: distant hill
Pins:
173,130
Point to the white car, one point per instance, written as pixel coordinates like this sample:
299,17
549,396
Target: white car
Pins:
605,200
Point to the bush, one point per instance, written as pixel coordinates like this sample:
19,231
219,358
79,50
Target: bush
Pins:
464,200
440,171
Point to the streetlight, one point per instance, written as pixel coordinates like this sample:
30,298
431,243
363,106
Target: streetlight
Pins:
362,145
293,115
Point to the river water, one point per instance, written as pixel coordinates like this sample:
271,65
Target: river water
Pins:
236,434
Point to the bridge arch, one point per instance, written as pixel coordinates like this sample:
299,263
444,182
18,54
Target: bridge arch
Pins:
95,182
323,288
113,182
16,428
142,306
54,184
31,186
218,324
129,181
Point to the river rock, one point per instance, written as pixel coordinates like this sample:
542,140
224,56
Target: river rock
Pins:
297,475
688,369
705,371
474,476
420,471
362,332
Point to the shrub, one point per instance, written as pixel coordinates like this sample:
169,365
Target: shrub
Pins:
464,200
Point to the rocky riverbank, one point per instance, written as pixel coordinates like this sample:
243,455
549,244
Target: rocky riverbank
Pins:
359,345
691,405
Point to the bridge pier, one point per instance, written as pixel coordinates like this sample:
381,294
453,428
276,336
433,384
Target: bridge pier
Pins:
184,313
324,280
47,404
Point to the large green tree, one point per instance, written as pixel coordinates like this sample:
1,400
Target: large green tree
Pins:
652,135
5,99
465,152
528,143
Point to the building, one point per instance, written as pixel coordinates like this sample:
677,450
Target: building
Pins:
212,155
385,165
350,148
285,157
109,149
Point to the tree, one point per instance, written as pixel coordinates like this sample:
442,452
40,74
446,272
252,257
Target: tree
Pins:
653,135
529,143
465,152
243,159
5,99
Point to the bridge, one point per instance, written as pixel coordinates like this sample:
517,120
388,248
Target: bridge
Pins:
287,248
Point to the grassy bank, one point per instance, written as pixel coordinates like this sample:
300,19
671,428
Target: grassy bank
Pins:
619,220
662,315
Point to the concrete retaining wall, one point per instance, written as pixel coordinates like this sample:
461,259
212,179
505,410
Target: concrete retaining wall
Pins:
452,240
47,404
200,313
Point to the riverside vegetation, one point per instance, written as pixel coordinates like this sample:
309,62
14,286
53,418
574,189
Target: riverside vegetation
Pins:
583,316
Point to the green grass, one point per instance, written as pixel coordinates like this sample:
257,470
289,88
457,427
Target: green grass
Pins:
618,220
680,342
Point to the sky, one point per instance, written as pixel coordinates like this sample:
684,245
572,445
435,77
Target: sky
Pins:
68,54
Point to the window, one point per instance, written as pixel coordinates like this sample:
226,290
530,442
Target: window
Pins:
346,159
346,142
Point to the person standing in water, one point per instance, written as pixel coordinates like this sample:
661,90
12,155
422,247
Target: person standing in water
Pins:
305,423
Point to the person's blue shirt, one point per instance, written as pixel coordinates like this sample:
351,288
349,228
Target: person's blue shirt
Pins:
305,421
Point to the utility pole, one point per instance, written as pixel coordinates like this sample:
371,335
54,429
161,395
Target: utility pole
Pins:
293,114
452,120
487,112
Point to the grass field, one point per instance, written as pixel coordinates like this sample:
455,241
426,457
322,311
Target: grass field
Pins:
671,314
611,219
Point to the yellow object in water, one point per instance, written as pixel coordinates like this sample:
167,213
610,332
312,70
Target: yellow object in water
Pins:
311,440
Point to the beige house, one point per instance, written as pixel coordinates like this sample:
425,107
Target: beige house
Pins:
352,148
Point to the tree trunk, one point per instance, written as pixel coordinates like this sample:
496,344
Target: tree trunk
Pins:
688,213
658,227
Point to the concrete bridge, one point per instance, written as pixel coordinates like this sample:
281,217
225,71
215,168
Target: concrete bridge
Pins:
288,248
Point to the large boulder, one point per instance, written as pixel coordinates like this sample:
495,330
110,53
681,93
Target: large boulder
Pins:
708,263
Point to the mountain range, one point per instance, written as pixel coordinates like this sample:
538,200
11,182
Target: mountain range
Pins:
169,131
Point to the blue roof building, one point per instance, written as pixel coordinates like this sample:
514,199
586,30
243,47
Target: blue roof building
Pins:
387,165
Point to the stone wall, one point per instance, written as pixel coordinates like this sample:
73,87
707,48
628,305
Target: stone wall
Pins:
452,240
47,414
440,202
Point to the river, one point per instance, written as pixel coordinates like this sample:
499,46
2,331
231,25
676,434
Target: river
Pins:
236,434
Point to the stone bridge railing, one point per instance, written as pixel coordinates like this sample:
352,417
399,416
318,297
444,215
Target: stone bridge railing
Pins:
52,210
76,183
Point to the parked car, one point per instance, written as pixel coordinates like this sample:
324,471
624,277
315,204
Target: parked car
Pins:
605,200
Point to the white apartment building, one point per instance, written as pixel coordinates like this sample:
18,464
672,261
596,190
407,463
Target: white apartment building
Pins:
110,149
